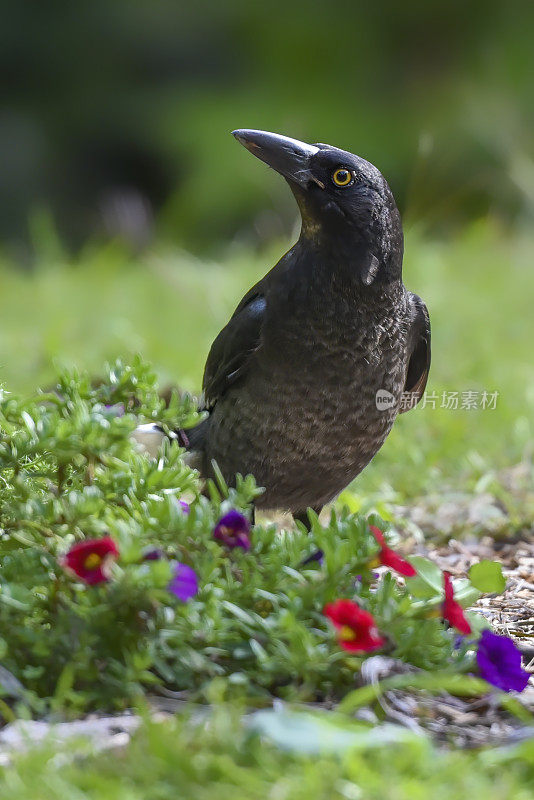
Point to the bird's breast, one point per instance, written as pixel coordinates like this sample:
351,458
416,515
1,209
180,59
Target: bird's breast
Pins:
323,372
308,405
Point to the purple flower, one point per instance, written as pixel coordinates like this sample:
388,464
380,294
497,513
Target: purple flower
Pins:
117,409
184,584
184,506
233,530
317,555
153,554
499,662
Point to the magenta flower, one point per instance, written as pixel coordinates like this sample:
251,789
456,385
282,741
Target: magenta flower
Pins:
91,559
233,530
499,662
184,584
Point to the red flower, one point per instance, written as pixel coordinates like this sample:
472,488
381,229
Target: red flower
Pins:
356,629
389,558
89,560
452,611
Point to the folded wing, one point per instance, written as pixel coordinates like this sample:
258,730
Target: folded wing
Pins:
418,353
231,352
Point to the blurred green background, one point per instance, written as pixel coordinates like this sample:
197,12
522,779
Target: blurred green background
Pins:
116,114
130,220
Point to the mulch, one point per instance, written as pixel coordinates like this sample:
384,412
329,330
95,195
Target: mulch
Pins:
475,722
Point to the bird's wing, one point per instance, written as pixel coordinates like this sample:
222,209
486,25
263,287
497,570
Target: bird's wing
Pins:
231,351
418,353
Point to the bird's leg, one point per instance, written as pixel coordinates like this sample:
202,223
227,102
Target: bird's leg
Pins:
302,516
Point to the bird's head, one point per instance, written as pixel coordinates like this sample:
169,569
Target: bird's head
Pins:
344,200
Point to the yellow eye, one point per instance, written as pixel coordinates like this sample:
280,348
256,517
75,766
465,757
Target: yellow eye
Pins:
342,177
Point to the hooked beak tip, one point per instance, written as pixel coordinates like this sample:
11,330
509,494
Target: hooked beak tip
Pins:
289,157
241,135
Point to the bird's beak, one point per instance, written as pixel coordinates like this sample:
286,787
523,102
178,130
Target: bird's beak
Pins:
287,156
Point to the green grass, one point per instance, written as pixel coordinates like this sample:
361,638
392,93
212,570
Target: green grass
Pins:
178,759
169,306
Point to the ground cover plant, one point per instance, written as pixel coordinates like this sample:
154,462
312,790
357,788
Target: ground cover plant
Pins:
118,575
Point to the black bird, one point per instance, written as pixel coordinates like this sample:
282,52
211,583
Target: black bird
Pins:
303,384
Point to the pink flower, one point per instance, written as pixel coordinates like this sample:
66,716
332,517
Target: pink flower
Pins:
90,560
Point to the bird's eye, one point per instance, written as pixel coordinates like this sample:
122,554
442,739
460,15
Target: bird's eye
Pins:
342,177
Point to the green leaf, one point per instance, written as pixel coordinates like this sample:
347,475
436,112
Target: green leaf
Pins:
462,685
238,612
487,576
465,593
350,500
514,706
64,685
321,733
428,582
478,623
